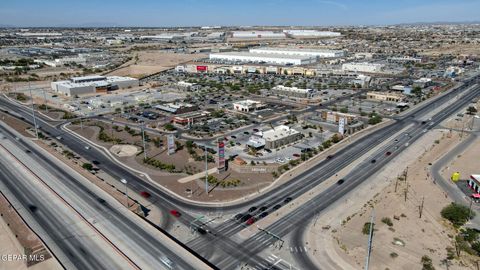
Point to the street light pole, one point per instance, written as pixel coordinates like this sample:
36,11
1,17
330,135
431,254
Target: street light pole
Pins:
206,170
143,140
45,98
33,110
126,190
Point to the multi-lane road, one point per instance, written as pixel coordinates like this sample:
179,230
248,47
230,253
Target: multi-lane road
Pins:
140,245
227,250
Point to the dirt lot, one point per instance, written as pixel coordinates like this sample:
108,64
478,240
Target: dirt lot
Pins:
150,62
456,49
401,245
18,125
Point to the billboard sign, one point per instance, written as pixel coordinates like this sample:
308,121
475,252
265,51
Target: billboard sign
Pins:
221,156
171,144
341,125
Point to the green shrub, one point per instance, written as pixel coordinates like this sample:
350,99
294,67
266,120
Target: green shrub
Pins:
387,221
457,214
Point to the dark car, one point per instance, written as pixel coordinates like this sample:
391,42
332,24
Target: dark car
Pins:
388,153
201,230
373,161
233,137
245,217
276,207
263,208
287,200
262,215
296,155
145,194
339,182
175,213
329,157
253,208
95,162
246,132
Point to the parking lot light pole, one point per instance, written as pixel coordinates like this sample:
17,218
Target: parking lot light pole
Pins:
126,190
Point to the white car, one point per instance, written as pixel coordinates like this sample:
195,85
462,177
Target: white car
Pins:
87,147
288,158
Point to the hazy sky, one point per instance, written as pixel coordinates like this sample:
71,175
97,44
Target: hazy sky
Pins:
233,12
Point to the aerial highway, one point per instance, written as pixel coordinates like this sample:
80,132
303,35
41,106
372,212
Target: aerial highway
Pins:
144,247
220,237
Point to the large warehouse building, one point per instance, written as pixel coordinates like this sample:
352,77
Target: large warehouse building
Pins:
92,84
270,58
298,51
257,34
311,33
363,67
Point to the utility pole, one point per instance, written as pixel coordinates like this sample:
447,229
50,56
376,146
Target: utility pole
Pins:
406,184
421,206
370,238
396,184
81,124
470,209
33,110
143,140
206,169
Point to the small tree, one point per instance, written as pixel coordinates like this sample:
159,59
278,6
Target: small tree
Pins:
427,263
457,214
472,110
87,166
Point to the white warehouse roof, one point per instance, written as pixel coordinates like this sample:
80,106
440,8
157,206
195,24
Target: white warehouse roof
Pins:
299,51
263,57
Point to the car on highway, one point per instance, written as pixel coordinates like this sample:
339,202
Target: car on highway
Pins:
287,200
262,215
167,262
233,137
339,182
87,147
201,230
145,194
245,217
251,220
263,208
175,213
238,216
388,153
27,151
252,209
276,207
59,138
95,162
373,161
329,157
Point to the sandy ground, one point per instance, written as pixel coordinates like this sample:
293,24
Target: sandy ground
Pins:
18,125
428,235
150,62
124,150
456,49
8,246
